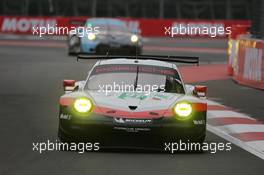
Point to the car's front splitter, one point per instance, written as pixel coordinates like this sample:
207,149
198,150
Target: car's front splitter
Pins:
109,132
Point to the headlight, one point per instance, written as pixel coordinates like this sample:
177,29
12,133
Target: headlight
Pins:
134,38
91,36
83,105
183,110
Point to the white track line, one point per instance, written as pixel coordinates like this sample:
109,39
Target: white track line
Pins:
257,144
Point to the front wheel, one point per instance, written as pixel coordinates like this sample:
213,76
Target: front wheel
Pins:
102,49
74,45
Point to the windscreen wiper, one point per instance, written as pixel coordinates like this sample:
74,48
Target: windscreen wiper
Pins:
136,79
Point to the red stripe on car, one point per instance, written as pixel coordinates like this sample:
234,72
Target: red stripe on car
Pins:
131,114
199,107
66,101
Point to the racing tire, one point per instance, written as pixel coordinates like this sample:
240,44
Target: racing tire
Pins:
73,45
62,137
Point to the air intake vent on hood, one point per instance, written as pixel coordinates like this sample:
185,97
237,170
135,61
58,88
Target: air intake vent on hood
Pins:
132,107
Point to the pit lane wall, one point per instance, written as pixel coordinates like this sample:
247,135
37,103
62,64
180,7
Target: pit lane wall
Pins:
248,65
146,27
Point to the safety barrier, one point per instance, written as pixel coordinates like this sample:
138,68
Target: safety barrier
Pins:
249,64
147,27
232,51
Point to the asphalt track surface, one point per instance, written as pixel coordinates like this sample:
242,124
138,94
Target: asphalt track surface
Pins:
31,84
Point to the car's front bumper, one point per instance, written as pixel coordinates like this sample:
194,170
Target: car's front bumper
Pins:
107,132
89,47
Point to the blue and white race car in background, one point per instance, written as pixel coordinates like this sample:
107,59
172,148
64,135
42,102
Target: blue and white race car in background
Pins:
111,36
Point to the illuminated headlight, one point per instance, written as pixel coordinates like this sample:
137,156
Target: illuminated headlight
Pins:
91,36
83,105
183,110
134,38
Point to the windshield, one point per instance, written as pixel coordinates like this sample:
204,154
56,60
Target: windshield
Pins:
140,78
108,24
118,29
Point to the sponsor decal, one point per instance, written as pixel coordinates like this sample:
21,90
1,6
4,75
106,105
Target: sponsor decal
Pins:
132,129
119,120
126,95
161,96
25,25
142,96
65,116
132,121
199,122
133,68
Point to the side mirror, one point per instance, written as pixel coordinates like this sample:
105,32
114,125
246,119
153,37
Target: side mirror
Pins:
200,91
69,85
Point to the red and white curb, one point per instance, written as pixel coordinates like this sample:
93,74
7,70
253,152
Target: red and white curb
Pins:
237,128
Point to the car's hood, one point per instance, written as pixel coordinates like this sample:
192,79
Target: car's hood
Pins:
133,104
124,38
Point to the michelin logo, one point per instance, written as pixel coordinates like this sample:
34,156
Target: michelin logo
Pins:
132,121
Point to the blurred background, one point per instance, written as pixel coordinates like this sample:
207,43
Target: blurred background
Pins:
162,9
188,9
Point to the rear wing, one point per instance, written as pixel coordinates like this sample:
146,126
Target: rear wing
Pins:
176,59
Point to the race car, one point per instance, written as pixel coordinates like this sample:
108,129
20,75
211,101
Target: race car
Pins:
133,102
104,36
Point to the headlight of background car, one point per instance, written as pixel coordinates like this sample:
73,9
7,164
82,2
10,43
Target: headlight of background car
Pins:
83,105
91,36
134,38
183,110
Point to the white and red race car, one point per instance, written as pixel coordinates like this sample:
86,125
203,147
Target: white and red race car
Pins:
133,101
